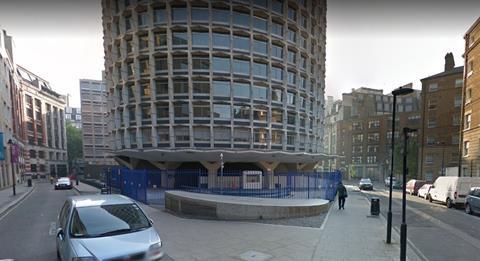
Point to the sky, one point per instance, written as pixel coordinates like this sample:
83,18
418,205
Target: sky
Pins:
378,44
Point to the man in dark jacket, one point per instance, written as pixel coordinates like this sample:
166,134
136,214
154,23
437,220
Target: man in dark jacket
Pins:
342,194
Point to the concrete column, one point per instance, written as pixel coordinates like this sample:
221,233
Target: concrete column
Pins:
212,168
268,167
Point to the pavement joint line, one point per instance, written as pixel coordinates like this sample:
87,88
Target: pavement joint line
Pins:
473,241
14,204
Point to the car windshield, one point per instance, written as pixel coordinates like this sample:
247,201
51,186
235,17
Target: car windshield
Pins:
107,220
365,180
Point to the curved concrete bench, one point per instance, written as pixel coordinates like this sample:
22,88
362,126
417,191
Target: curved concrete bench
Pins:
240,208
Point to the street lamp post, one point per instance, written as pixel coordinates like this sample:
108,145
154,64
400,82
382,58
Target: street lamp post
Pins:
403,226
14,181
397,92
221,173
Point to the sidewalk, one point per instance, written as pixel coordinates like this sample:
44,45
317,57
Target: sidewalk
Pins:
84,189
7,200
352,234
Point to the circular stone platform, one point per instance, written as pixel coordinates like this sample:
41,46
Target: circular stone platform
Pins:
241,208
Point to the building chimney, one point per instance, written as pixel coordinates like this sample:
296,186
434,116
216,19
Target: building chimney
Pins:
449,62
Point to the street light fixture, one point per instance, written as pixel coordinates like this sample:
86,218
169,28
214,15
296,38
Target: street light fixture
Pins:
221,173
403,226
397,92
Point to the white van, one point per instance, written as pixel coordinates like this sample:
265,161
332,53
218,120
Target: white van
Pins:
452,190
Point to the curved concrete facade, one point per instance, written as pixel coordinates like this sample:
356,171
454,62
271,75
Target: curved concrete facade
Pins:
231,76
241,208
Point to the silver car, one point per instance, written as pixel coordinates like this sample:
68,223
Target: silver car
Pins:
105,227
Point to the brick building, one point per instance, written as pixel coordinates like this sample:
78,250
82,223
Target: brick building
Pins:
441,105
471,104
364,132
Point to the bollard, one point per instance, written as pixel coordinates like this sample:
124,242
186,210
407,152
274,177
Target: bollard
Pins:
375,206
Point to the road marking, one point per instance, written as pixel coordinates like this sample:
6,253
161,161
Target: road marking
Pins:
328,214
53,229
3,215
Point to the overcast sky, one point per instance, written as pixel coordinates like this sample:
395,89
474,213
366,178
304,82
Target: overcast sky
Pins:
374,43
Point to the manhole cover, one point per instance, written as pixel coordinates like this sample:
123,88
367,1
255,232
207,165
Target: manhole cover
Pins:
255,256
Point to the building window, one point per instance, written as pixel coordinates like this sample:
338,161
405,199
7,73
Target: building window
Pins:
159,16
221,40
241,90
372,148
181,110
432,123
142,19
160,39
201,87
259,114
456,120
292,56
276,95
260,47
277,6
374,124
292,77
277,137
371,159
373,137
144,67
260,70
357,125
221,64
468,95
222,134
200,14
303,21
466,147
241,112
221,88
357,138
292,13
179,38
146,136
241,66
162,111
241,19
429,159
262,3
241,43
200,39
179,14
260,23
459,83
180,86
201,134
468,121
259,93
182,134
145,90
291,118
431,140
432,104
161,87
221,16
201,110
277,115
277,29
292,35
180,63
277,51
260,136
455,140
161,64
291,98
200,63
221,111
433,87
163,135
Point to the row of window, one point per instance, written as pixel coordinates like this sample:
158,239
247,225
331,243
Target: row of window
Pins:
220,134
224,112
372,159
433,87
217,88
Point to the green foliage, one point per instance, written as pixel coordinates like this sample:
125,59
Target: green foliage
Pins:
74,143
412,158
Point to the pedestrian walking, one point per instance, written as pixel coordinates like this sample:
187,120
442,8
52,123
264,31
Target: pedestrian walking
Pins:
342,194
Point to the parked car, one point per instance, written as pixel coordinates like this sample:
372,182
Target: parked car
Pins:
106,227
472,201
424,191
452,190
365,184
397,184
63,183
414,185
387,181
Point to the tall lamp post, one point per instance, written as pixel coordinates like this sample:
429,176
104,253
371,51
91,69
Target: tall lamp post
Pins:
403,226
14,180
397,92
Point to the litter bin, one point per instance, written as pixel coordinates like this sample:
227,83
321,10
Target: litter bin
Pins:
374,206
29,182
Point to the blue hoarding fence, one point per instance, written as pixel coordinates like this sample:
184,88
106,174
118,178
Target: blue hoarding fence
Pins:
148,186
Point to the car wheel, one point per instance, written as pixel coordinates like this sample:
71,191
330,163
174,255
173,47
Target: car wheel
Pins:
468,209
449,203
58,256
430,198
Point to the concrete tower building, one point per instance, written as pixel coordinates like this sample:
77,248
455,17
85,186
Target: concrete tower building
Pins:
189,80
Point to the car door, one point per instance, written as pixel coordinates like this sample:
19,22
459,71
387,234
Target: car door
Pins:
62,242
475,200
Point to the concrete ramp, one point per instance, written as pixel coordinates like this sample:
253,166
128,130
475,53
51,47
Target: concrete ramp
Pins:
240,208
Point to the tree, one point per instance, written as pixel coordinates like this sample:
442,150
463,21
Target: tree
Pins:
74,143
412,158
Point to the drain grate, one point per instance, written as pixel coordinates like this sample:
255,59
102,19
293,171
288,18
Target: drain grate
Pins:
255,256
